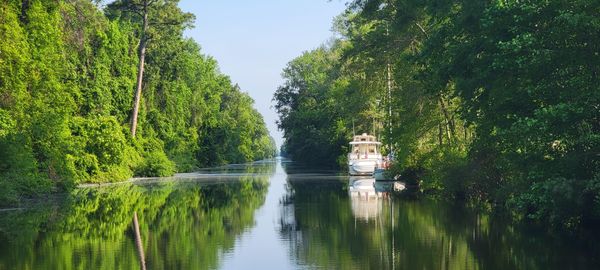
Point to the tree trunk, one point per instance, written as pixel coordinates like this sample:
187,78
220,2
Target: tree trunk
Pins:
440,137
138,92
138,241
449,122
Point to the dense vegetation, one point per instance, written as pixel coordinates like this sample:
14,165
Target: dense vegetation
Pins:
67,82
491,101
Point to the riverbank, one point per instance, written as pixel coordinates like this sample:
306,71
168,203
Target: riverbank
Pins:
67,100
201,176
475,103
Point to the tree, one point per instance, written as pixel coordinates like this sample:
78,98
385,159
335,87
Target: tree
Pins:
496,101
157,16
66,74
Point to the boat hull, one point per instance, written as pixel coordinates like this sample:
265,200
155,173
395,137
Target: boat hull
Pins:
362,167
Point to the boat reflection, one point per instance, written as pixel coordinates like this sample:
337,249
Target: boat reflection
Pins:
365,199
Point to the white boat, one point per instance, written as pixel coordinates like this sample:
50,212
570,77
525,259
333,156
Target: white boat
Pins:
364,156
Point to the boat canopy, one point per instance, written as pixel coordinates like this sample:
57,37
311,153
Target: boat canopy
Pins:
377,143
364,138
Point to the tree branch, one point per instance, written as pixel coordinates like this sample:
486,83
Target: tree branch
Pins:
422,29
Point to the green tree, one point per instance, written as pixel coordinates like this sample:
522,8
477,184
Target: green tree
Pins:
492,101
67,70
310,108
526,76
157,17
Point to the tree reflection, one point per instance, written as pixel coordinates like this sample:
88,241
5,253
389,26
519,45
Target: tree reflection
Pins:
183,226
327,228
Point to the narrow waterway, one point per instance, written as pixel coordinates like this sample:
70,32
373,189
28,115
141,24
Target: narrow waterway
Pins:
269,215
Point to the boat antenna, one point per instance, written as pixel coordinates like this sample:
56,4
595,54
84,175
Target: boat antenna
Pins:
389,94
353,132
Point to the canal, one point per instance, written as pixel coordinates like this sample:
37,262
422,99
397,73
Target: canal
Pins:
268,215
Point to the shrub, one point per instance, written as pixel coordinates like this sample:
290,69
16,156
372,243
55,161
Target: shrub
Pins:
99,150
562,202
157,164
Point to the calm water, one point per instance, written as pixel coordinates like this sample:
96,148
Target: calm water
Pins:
268,215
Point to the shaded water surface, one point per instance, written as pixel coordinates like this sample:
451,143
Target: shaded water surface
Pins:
268,215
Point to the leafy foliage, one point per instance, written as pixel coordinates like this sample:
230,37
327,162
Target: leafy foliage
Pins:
310,108
67,78
493,101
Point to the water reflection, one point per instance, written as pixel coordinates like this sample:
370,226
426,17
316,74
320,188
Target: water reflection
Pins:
183,225
352,224
366,201
256,217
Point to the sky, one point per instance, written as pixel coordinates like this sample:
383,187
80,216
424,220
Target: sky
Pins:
253,40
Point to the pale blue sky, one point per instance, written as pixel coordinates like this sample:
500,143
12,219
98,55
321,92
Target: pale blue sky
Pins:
254,39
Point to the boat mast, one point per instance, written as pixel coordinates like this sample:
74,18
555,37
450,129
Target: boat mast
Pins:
389,88
389,92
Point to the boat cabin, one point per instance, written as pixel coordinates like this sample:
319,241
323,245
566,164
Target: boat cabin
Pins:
364,146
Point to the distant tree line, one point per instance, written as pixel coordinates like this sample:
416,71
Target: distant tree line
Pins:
69,73
489,101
